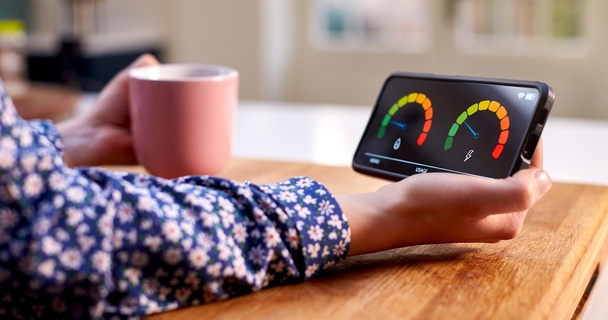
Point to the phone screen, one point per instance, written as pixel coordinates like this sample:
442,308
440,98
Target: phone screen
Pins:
430,124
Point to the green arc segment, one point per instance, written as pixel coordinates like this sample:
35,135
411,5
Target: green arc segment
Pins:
485,105
413,98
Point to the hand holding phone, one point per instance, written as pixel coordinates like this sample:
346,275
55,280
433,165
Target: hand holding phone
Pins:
430,123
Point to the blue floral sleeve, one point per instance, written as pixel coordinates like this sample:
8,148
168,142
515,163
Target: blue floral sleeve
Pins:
91,243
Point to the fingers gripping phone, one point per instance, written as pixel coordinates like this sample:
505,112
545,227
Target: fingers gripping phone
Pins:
430,123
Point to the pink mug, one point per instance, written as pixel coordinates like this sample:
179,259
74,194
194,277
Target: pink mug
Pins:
183,118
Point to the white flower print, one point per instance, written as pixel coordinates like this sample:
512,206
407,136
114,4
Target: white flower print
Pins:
139,259
146,224
321,191
42,226
117,238
86,243
153,242
224,252
255,233
303,212
346,234
8,143
146,203
215,269
75,216
309,200
320,219
28,162
326,208
259,216
50,246
172,231
171,211
32,185
209,220
125,213
7,159
25,139
227,218
105,224
313,250
325,251
71,259
163,196
8,118
311,269
45,163
198,258
226,204
152,307
304,183
335,221
47,268
340,248
272,237
315,233
57,182
240,269
332,235
245,192
133,275
82,229
187,244
8,218
257,255
182,294
300,225
240,233
75,194
101,261
58,201
206,204
173,256
187,227
293,238
282,215
288,196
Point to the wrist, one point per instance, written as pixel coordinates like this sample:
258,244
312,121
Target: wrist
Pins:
370,221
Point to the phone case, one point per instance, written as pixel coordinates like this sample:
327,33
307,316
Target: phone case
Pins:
432,123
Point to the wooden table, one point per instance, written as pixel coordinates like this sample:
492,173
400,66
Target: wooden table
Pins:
547,272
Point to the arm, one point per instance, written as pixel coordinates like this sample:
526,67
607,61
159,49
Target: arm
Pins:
87,242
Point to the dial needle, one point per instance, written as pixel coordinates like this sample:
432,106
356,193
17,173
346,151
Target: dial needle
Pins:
475,134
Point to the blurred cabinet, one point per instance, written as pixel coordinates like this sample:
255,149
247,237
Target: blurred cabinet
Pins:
83,43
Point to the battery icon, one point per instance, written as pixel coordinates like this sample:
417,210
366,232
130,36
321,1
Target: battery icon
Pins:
530,96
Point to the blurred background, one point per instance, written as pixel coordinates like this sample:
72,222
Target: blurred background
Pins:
328,51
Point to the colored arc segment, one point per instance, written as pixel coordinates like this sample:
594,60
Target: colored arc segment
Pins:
414,97
485,105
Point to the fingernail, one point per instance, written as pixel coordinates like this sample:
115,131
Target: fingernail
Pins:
544,181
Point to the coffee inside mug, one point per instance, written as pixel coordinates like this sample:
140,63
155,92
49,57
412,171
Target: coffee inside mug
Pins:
183,72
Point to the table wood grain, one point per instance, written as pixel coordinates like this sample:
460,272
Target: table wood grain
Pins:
544,273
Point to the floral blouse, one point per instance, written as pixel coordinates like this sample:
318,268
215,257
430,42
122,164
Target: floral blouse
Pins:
90,243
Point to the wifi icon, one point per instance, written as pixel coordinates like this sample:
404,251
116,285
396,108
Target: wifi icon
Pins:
521,95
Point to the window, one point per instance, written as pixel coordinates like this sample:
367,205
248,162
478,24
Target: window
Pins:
385,25
518,25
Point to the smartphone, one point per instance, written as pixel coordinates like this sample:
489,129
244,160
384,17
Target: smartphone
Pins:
432,123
